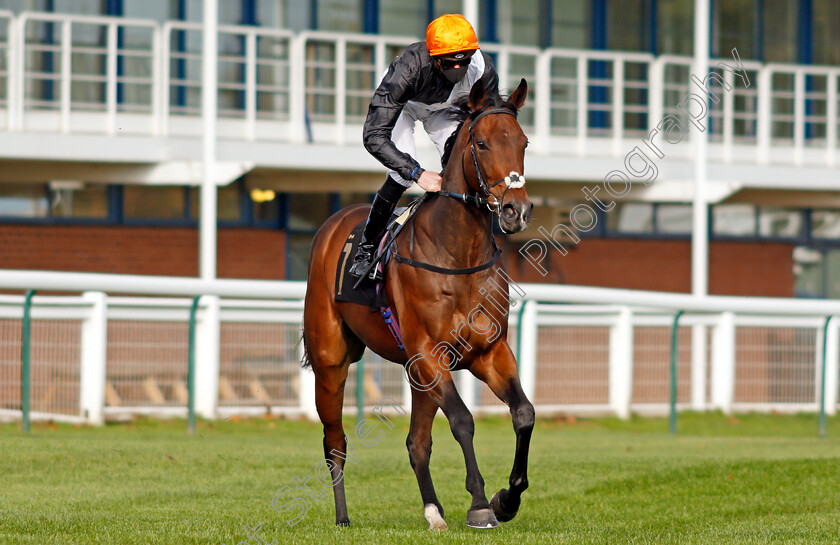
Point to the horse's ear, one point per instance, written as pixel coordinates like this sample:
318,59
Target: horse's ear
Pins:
517,98
477,96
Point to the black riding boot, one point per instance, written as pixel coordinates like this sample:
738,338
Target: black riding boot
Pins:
380,211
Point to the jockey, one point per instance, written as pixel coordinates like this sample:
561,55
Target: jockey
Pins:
421,84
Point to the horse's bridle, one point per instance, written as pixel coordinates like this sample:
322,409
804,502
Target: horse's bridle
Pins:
514,180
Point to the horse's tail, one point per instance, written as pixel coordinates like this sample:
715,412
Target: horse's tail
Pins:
305,361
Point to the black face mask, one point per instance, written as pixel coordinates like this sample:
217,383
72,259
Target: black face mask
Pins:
454,75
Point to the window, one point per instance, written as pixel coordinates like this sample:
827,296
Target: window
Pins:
340,15
523,23
631,218
154,202
270,12
825,224
808,271
628,28
82,7
447,6
779,223
228,202
519,22
734,220
298,256
832,262
402,18
265,206
308,211
826,30
23,201
159,10
675,28
781,19
17,6
78,200
674,219
571,25
736,26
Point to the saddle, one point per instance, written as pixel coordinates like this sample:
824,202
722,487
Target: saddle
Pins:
370,293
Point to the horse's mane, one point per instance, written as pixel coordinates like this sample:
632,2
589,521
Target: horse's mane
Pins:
460,112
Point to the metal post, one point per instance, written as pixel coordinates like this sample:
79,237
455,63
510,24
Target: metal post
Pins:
207,331
25,375
621,363
528,338
191,368
470,8
360,389
723,363
209,99
700,230
674,356
93,369
822,425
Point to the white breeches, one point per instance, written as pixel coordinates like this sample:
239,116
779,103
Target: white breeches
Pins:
437,122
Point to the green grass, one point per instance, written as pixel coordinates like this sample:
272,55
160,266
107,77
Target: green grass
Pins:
750,479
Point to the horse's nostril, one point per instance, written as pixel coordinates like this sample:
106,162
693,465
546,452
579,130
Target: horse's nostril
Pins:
509,210
529,213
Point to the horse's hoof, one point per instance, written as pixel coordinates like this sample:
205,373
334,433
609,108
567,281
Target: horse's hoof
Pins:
434,518
501,504
345,522
481,518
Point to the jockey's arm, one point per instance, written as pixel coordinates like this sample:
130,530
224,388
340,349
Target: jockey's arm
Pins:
395,89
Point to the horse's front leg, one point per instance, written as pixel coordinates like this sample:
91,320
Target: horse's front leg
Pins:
499,371
426,375
419,444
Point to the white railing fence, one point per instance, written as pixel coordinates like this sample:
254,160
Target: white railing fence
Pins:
122,76
96,356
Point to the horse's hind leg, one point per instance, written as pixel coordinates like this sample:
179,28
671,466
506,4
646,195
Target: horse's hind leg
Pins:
331,348
329,399
419,444
500,373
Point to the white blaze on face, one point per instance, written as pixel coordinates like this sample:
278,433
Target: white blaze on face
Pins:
514,180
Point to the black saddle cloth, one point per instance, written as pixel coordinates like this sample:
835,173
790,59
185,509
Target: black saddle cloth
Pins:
367,294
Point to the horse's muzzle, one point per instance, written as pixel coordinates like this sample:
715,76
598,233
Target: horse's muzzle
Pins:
516,215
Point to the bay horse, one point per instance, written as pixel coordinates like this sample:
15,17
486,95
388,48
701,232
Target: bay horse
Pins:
446,322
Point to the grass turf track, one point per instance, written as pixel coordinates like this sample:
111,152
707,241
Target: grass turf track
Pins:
749,479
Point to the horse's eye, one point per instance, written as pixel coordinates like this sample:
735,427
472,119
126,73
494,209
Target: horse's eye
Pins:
481,144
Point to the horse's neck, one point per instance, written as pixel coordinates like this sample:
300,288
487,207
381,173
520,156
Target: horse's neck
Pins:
458,230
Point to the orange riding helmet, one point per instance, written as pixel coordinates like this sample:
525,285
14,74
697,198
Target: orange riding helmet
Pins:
450,33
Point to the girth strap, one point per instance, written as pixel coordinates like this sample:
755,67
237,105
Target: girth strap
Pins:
442,270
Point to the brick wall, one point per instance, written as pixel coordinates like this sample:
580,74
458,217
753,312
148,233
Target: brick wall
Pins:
166,251
736,268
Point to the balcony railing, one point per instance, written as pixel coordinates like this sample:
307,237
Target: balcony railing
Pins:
121,76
